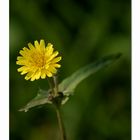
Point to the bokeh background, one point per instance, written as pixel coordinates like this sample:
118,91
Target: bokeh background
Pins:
82,31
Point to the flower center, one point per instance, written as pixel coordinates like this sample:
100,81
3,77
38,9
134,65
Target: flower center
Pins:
38,59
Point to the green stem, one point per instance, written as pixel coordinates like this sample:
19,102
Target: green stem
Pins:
59,118
57,107
61,125
51,86
55,85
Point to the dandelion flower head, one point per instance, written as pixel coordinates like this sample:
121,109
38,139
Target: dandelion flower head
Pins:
38,61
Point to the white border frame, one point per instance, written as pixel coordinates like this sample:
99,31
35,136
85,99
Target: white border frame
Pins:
135,70
4,69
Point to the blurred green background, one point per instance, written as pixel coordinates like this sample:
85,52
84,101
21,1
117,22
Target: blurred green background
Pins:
82,31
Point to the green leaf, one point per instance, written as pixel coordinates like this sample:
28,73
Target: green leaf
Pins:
41,98
68,85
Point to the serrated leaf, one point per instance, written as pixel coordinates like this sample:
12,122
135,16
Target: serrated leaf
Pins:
68,85
41,98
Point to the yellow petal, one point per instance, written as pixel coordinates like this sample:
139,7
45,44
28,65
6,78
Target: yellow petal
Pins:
43,74
52,69
54,54
22,52
49,74
30,45
22,68
21,62
49,49
57,59
56,65
19,58
24,72
29,75
46,66
37,44
25,49
38,74
33,78
42,44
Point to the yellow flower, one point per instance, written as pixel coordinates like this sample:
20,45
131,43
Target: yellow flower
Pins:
38,61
